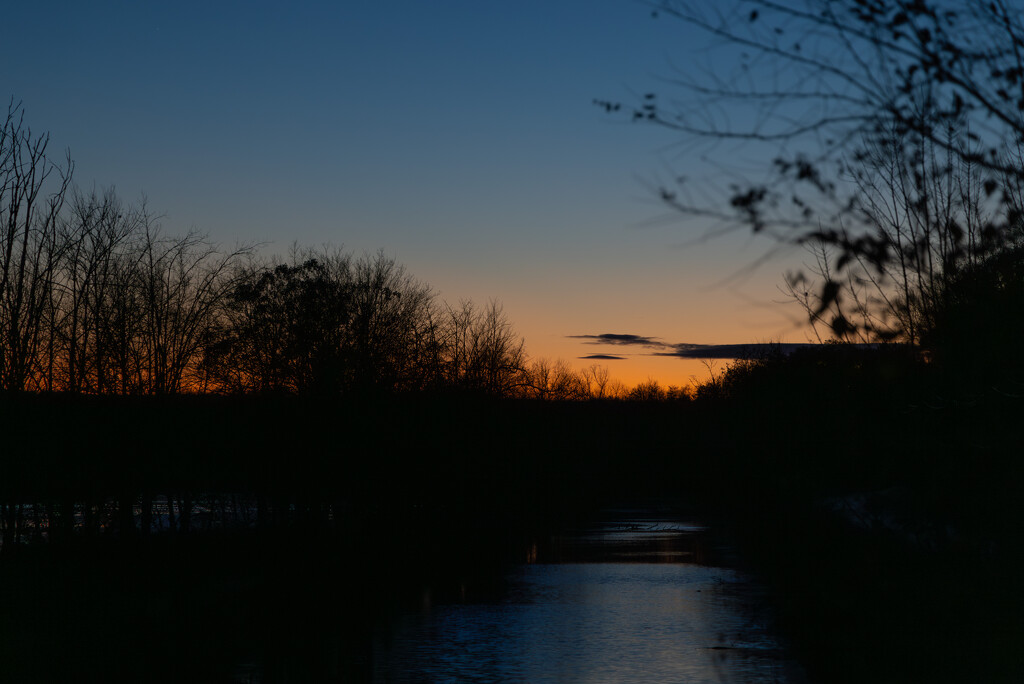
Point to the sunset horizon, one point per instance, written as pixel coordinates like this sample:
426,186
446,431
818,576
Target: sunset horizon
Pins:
535,342
485,175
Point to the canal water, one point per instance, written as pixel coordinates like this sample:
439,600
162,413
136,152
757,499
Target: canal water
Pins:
637,595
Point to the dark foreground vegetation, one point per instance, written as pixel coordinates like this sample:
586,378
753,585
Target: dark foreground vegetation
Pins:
878,495
879,489
200,442
882,496
280,506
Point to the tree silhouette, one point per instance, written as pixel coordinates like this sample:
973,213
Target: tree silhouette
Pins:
926,216
324,324
96,234
558,381
865,108
32,193
649,390
391,336
95,298
283,328
480,350
978,325
599,384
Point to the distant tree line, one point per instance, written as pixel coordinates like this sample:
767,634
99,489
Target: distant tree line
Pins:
96,299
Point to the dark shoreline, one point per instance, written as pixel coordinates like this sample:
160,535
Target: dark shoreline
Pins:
889,527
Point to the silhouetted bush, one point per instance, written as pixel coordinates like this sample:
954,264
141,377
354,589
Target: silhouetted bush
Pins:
980,323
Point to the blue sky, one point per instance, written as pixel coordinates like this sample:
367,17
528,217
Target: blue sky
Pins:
460,137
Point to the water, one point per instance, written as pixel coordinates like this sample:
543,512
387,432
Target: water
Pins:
637,596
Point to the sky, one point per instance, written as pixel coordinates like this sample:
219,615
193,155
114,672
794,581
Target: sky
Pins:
461,138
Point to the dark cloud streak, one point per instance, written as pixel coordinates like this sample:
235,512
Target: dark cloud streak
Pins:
622,340
685,350
732,351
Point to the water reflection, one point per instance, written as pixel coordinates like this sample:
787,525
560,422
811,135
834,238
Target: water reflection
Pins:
631,598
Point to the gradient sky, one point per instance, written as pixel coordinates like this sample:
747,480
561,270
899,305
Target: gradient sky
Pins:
459,137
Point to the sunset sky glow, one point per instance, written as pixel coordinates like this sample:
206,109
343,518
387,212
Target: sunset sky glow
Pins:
459,137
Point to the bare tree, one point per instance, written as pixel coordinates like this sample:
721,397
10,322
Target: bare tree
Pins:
391,319
124,319
597,381
98,299
94,235
859,108
324,323
926,217
32,194
481,351
814,79
180,283
649,390
837,306
557,381
282,327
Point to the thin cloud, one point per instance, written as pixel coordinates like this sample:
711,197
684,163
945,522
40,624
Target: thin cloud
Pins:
731,351
687,350
604,357
619,339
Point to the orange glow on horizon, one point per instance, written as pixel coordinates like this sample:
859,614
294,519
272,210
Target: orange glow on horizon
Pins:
667,371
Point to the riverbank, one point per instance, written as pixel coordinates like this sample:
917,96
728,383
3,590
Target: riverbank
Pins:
883,504
885,517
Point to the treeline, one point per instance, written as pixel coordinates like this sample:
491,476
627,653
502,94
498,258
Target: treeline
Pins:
96,299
